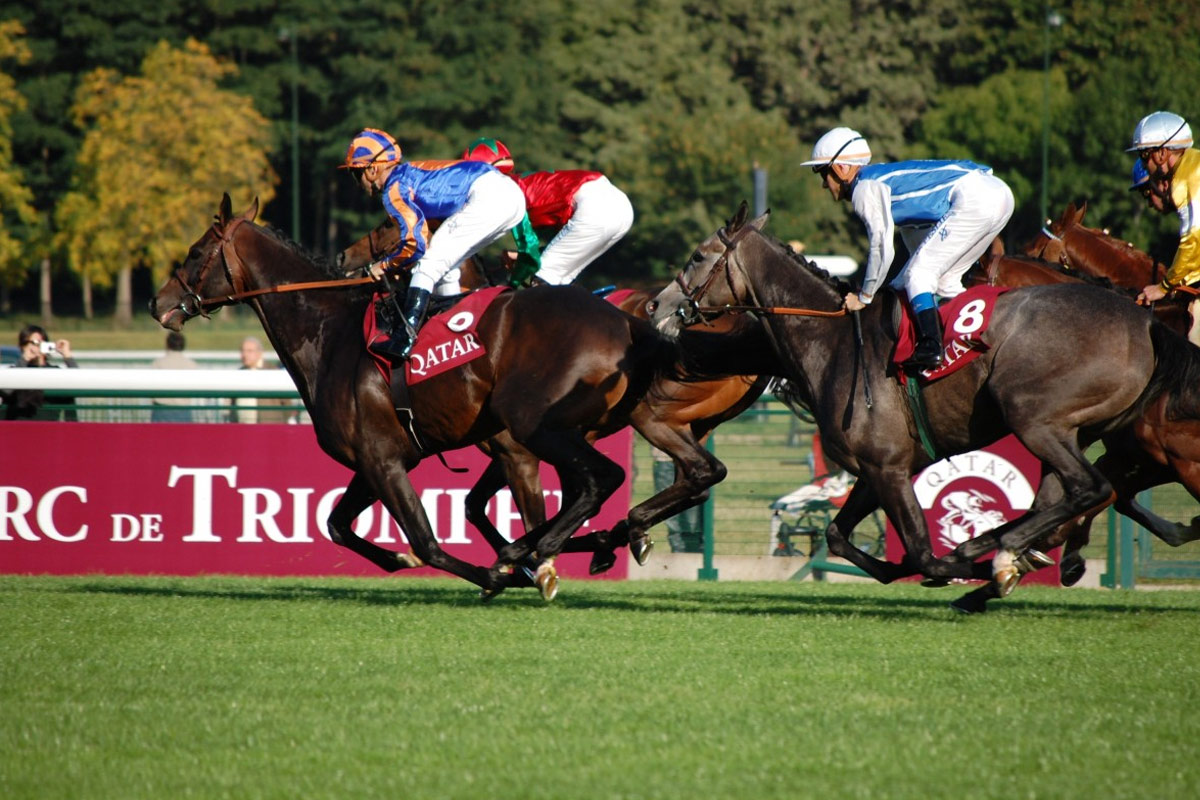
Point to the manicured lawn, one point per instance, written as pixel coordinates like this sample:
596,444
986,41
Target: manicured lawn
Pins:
237,687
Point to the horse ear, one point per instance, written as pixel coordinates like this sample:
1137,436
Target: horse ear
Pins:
1082,211
251,213
760,222
226,210
739,218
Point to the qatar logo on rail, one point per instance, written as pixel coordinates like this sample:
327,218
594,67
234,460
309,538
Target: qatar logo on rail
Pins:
970,494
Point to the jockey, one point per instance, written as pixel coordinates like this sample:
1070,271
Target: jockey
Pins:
1163,142
588,212
948,213
474,203
1143,185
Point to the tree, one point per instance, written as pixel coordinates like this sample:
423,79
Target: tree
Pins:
17,215
160,149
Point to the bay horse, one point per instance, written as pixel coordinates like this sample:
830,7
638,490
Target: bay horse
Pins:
685,410
559,364
1064,365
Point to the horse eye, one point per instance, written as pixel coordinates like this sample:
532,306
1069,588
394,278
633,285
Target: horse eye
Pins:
194,254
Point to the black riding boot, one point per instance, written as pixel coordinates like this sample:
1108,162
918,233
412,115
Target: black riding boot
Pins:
928,353
400,342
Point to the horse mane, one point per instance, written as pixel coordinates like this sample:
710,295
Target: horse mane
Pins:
1100,244
836,284
321,262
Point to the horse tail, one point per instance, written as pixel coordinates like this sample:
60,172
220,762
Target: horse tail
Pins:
1176,374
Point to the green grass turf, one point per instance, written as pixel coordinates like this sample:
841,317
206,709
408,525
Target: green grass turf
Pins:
410,688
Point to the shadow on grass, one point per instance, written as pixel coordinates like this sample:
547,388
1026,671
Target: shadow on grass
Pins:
869,602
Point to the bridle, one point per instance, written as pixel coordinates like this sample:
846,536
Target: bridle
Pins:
691,312
193,305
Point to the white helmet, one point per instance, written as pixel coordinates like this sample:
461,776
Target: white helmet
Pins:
1161,129
840,145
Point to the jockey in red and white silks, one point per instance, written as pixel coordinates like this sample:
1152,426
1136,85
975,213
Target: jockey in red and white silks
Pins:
588,211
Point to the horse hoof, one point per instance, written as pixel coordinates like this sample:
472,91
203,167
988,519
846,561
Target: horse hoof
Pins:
1006,580
1032,560
409,561
641,549
935,583
1071,571
547,581
486,595
602,561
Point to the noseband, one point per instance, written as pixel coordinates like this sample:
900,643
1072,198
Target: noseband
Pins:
691,312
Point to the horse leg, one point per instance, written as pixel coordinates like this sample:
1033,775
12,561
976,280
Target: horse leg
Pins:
1084,489
696,471
861,501
589,478
515,466
354,501
389,480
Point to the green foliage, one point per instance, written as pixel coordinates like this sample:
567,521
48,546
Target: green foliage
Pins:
160,147
17,215
676,100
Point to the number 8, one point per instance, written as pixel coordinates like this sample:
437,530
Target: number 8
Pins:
970,317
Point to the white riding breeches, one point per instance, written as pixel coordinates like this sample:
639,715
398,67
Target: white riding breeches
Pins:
980,205
495,204
601,214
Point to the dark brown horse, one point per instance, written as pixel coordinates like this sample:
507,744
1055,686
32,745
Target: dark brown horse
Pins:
1064,365
685,411
560,364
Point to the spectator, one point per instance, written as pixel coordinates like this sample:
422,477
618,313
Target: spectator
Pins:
173,409
36,351
256,409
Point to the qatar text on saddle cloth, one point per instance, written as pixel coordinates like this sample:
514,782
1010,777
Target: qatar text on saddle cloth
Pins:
446,340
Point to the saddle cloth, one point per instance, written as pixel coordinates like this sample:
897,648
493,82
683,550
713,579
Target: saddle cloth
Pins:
447,339
964,319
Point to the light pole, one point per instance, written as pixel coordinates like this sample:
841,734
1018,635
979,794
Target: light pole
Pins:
1053,20
287,35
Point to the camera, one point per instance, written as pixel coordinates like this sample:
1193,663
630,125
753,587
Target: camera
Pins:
48,347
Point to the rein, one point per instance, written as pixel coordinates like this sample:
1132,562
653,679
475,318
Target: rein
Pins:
721,266
194,305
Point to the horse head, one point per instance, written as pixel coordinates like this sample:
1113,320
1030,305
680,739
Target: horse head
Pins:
206,274
707,277
381,240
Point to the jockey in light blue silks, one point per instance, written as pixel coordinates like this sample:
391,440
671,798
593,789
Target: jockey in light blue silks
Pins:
948,213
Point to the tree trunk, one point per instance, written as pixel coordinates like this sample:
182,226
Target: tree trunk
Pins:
44,294
124,313
89,311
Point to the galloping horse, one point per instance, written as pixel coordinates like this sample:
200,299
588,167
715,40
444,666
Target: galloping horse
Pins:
1064,365
558,364
688,410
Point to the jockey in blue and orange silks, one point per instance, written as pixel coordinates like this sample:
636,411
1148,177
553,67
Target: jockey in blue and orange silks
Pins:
474,203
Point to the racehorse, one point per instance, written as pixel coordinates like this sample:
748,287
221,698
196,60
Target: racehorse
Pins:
1160,447
558,364
1094,252
1064,365
689,410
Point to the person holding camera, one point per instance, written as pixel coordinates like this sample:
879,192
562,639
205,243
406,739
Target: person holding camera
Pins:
37,350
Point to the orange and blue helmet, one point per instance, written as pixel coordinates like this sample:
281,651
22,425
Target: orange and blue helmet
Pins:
490,151
371,146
